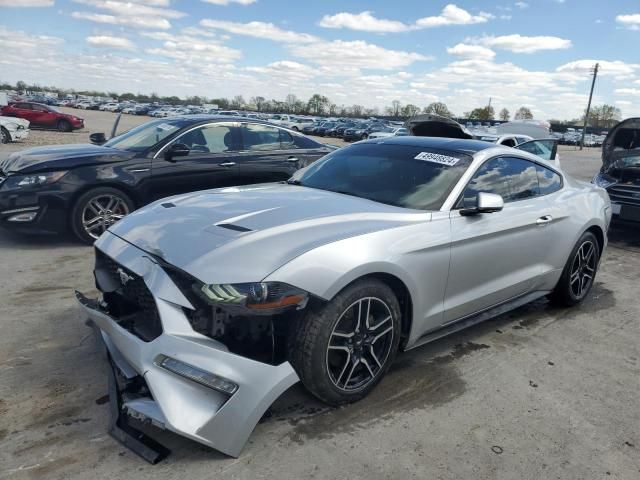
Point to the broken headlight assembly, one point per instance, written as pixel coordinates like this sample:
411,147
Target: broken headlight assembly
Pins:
264,298
603,180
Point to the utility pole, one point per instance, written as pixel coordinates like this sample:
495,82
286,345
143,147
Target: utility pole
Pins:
586,115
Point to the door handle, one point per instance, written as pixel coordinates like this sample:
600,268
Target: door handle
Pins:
227,164
292,159
544,220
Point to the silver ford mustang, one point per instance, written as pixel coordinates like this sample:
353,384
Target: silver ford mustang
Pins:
215,302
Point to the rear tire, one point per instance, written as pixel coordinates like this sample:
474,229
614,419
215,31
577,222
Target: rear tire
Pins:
64,126
96,210
341,351
5,136
579,272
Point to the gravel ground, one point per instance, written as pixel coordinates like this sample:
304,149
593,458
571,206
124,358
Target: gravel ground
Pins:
538,393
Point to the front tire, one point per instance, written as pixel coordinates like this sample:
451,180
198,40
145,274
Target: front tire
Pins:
579,272
96,210
5,136
342,350
64,126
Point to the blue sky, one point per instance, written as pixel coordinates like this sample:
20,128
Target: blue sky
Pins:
530,52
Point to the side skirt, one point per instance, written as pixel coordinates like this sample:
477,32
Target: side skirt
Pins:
468,321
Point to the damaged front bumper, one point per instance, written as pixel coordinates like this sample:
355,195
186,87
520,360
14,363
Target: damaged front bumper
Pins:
196,387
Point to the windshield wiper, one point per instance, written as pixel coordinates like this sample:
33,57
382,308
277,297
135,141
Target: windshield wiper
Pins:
293,182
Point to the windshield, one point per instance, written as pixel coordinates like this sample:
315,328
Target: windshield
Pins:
143,137
400,175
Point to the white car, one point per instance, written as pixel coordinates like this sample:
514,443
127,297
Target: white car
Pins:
390,132
108,107
12,129
298,123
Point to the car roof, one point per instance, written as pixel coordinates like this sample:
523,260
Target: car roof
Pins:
442,143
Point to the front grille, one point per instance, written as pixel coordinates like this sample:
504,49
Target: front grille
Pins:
128,299
629,194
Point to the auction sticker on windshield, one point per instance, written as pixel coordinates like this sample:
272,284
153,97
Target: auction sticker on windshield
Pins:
165,126
437,158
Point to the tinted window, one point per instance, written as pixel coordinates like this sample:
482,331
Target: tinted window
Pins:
209,139
39,108
548,180
144,136
286,140
257,137
388,174
541,148
23,106
512,178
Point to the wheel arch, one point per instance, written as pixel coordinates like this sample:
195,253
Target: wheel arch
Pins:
599,234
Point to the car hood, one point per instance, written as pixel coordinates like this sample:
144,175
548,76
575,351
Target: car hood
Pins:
18,121
431,125
61,157
623,140
242,234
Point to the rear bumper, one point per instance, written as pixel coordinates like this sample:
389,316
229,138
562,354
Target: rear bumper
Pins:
220,420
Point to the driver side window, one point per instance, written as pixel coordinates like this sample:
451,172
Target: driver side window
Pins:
209,139
512,178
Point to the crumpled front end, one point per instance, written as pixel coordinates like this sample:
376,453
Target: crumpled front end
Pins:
192,383
18,128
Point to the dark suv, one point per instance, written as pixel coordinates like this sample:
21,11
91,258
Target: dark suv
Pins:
87,188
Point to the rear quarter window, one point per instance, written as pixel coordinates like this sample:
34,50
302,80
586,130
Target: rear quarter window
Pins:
548,180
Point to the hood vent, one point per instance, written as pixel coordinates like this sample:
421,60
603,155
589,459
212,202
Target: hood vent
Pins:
236,228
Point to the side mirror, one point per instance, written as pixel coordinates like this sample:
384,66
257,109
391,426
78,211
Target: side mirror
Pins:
97,138
485,203
176,150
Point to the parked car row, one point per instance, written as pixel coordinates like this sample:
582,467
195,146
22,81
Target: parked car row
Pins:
354,130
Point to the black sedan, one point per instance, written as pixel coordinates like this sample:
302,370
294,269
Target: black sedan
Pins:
87,188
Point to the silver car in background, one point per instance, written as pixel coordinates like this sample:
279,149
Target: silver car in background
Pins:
216,302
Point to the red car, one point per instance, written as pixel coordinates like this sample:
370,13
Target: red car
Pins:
43,116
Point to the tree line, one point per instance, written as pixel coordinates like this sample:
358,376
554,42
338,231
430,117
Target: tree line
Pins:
320,105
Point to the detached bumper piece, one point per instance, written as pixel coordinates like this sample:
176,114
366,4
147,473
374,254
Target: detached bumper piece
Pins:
132,438
171,376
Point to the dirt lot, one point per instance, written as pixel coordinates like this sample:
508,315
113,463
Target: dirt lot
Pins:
539,393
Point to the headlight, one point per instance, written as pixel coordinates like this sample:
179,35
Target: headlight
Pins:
36,179
265,297
603,180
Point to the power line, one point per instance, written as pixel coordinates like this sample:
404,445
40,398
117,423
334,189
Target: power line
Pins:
586,116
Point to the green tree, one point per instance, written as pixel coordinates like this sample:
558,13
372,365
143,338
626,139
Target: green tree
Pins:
524,113
438,108
504,115
481,113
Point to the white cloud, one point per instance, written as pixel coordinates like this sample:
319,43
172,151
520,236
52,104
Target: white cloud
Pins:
285,70
521,5
259,30
631,21
607,68
121,8
628,92
106,41
141,14
472,51
364,21
26,3
139,22
227,2
189,49
367,22
521,44
453,15
345,56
